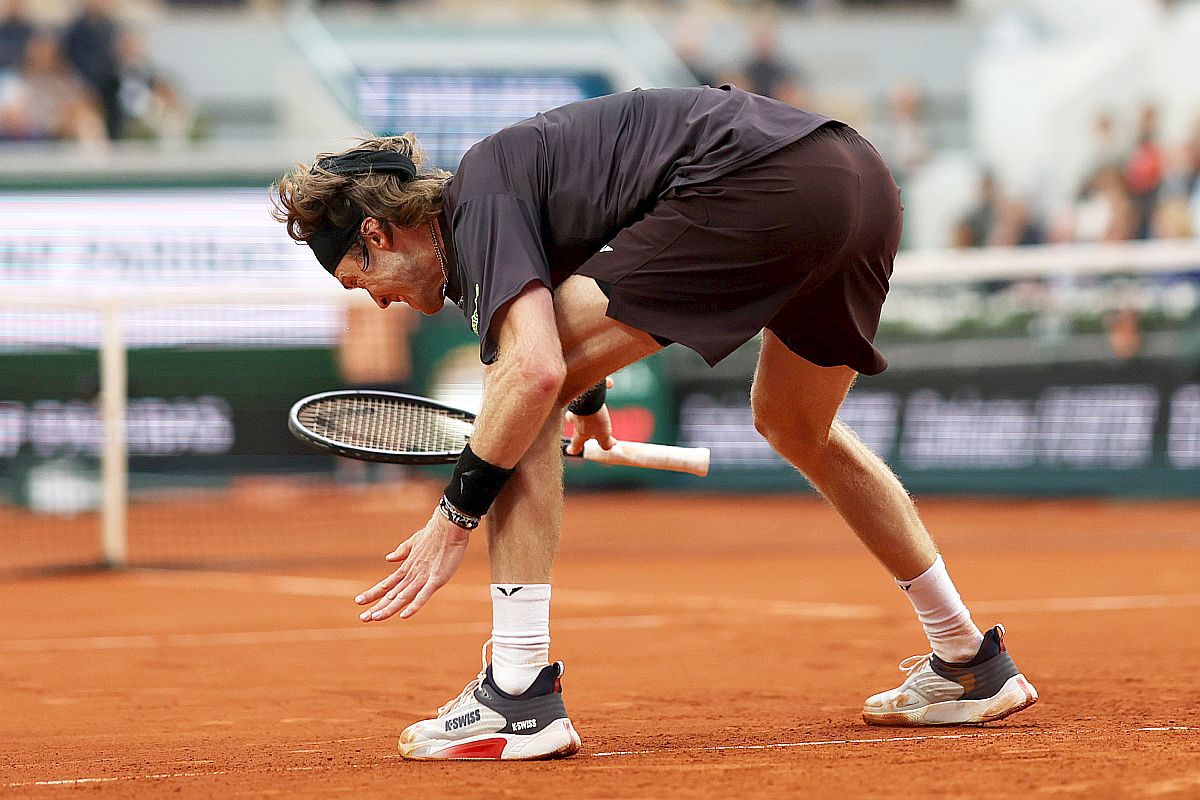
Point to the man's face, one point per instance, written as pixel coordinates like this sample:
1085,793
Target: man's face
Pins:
395,265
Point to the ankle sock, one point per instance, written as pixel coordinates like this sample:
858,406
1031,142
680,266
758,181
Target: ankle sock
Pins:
952,634
520,634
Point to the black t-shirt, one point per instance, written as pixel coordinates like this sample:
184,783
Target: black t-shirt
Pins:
537,199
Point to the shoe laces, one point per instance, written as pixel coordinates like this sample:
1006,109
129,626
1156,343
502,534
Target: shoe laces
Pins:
469,690
913,663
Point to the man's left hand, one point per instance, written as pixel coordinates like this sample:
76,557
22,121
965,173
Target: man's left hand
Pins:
428,559
596,426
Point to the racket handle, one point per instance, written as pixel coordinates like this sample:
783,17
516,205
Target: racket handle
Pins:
693,460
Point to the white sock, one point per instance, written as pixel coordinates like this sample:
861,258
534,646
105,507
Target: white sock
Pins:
947,623
520,634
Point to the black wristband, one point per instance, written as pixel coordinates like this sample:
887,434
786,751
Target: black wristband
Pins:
475,483
590,402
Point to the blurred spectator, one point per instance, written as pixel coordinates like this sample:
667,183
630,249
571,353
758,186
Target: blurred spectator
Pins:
1015,225
975,228
375,352
207,3
733,77
1173,218
151,107
45,100
1105,211
363,3
793,92
15,32
1173,213
689,46
1124,328
1190,161
903,139
1191,172
1104,151
90,43
997,220
1144,172
767,73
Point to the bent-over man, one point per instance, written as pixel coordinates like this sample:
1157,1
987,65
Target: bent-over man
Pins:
587,238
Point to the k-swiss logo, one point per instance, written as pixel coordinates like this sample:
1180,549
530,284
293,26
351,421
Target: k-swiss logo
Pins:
463,721
524,725
509,592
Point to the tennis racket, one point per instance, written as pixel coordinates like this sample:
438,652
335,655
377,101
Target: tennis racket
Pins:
404,429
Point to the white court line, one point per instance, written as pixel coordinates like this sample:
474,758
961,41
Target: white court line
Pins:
340,587
1171,728
346,588
734,605
163,776
298,585
113,778
715,748
818,743
307,635
1109,603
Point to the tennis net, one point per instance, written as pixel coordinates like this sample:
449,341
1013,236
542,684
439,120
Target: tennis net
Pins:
151,344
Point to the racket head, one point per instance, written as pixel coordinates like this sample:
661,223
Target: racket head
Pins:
390,427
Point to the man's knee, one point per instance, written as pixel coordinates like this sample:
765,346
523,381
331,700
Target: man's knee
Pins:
791,432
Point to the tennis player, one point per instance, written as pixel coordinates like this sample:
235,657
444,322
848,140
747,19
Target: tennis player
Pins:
589,237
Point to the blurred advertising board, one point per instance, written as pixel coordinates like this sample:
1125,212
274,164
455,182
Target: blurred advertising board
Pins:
1122,428
1089,385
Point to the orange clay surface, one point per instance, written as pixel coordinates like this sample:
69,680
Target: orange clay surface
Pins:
716,647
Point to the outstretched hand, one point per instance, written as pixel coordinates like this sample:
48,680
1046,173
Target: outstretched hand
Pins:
428,559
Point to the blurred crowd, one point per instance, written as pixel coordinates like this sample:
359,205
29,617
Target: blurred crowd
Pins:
1133,188
765,69
792,5
89,82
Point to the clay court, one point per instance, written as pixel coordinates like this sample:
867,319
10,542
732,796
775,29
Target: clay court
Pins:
716,647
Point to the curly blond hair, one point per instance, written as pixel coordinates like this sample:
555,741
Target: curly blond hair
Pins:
309,197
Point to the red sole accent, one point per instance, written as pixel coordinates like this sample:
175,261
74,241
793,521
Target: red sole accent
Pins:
490,749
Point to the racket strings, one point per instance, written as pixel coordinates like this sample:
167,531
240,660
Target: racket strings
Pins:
386,425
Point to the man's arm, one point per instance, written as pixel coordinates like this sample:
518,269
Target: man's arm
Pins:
521,387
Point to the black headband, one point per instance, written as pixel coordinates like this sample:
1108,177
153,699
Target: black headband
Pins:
330,242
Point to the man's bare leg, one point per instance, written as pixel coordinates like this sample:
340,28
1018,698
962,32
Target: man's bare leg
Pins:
594,345
525,521
523,532
523,526
795,405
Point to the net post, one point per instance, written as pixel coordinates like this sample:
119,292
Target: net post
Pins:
114,465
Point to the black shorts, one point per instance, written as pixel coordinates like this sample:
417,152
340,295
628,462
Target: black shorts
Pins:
800,242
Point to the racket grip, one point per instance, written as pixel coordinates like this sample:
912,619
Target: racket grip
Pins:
693,460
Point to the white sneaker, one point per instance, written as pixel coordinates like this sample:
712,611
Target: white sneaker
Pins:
986,688
484,723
